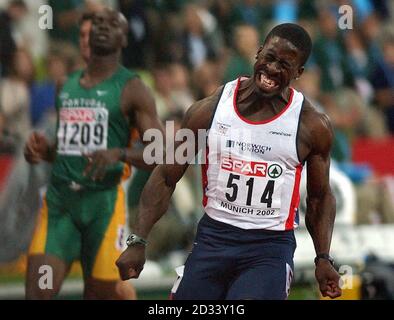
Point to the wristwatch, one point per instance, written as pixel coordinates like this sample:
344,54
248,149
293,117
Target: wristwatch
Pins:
133,240
324,256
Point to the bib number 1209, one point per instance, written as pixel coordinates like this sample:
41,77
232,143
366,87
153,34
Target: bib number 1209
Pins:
83,134
82,130
266,196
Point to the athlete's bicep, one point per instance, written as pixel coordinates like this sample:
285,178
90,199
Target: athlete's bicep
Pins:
140,105
197,120
318,161
318,168
189,140
176,161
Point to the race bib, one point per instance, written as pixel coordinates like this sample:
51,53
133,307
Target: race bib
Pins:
250,187
82,130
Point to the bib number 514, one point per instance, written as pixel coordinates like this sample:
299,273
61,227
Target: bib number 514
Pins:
266,197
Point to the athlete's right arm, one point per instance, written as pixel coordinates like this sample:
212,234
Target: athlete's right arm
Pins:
158,190
37,148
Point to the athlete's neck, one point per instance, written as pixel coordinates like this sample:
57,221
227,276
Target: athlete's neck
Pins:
101,67
249,95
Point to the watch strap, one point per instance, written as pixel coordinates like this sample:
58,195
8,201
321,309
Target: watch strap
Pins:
134,239
325,256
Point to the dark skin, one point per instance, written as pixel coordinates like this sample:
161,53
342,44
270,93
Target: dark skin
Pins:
106,40
280,62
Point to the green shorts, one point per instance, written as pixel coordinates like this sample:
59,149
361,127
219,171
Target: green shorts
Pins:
85,225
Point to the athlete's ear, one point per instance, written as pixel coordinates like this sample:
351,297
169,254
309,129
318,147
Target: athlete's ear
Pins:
300,71
125,28
258,52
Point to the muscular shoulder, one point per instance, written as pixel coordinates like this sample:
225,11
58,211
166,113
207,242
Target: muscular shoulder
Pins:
200,114
135,90
315,129
136,96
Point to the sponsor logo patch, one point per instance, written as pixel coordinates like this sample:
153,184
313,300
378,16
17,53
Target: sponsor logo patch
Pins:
248,147
247,168
275,171
285,134
222,128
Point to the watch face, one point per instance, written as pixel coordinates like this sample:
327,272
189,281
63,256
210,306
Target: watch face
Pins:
134,239
130,240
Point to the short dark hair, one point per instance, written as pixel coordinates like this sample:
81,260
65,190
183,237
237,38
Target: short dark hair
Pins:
296,34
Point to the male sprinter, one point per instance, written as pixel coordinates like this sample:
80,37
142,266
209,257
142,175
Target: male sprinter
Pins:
261,134
83,214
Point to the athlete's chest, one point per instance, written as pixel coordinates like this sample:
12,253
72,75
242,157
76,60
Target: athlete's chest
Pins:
231,136
259,113
85,118
101,96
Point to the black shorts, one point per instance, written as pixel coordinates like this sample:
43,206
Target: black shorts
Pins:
230,263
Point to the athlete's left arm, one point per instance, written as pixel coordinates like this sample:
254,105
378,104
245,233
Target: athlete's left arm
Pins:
321,207
138,105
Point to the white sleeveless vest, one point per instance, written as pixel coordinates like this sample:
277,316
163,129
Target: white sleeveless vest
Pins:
252,173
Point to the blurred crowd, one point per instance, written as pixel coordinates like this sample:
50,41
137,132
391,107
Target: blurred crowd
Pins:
184,50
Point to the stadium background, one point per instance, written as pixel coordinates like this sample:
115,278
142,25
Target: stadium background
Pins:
184,50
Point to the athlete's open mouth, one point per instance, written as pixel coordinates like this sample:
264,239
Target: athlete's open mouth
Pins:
267,82
101,36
